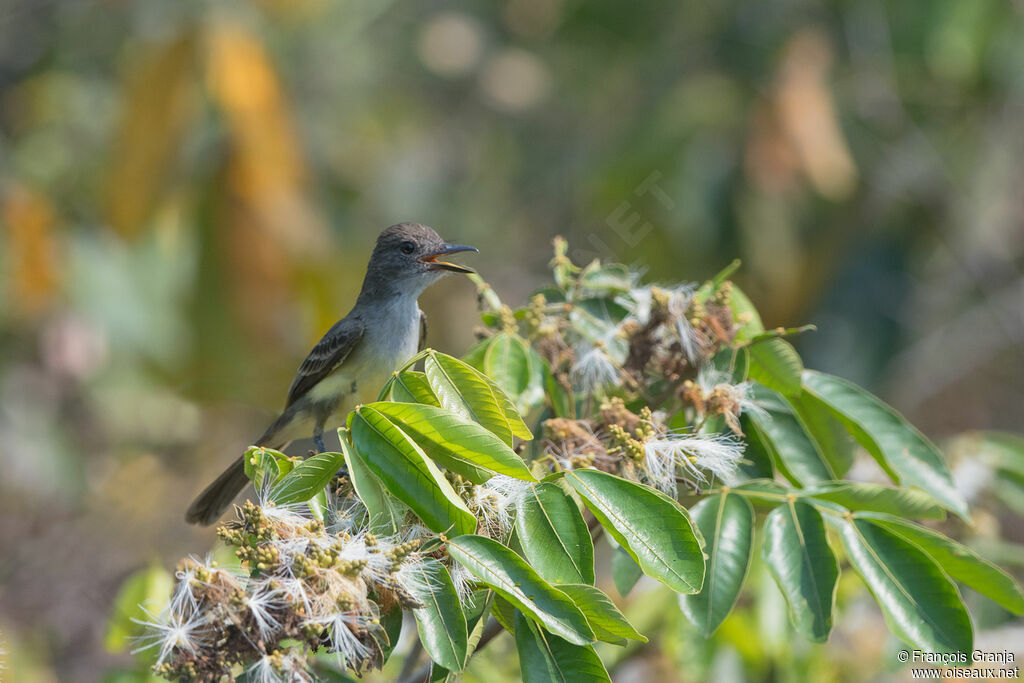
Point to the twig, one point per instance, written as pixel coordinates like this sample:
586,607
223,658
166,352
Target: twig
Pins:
411,660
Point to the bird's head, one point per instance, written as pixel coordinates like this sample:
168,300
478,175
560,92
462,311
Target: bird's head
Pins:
411,257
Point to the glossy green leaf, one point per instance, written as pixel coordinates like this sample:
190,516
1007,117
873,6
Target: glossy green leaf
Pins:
625,571
476,609
876,498
902,450
554,536
921,606
546,658
782,436
830,436
733,362
607,622
475,355
958,561
743,309
559,397
391,630
653,528
464,390
776,364
762,491
266,466
507,362
504,612
516,581
440,621
380,507
408,474
453,441
727,523
307,479
608,277
797,553
410,386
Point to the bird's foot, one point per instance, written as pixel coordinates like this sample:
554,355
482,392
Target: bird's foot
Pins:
319,441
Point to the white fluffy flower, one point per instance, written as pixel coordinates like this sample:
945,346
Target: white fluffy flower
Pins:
711,380
172,631
183,596
262,602
278,668
463,581
418,576
690,338
343,641
594,368
494,501
695,455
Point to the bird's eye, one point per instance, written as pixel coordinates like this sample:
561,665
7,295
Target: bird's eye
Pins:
408,247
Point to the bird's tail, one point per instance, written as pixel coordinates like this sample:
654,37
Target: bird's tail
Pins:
215,498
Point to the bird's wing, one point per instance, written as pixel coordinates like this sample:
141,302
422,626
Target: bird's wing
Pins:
423,332
328,354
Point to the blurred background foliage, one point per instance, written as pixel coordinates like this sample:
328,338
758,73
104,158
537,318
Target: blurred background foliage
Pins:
189,191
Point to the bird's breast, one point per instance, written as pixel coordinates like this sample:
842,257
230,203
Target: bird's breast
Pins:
390,339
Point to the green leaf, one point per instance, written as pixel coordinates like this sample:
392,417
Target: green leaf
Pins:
920,605
654,529
504,612
827,433
147,590
742,308
440,621
546,658
391,630
782,436
476,608
513,579
454,442
876,498
408,474
466,391
625,571
307,479
410,386
383,518
797,553
265,465
763,491
727,523
609,277
776,364
597,319
958,561
507,363
554,536
902,450
608,623
559,397
734,362
475,355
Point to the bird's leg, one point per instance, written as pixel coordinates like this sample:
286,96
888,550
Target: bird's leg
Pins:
318,436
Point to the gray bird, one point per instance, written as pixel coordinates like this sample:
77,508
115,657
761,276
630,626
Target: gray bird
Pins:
351,363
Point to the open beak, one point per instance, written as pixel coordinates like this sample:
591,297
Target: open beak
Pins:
449,249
